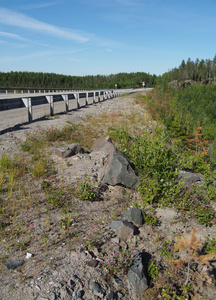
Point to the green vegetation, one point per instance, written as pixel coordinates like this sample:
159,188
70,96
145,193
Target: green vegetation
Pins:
86,190
200,70
52,80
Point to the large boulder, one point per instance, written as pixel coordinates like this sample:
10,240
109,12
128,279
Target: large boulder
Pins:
115,169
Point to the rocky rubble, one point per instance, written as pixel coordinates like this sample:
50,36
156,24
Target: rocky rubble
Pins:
107,163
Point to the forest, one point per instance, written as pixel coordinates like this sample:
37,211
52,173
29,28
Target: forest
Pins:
52,80
200,71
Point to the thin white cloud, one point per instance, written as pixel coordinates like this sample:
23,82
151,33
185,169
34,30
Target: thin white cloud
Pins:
25,57
12,36
12,18
39,5
48,54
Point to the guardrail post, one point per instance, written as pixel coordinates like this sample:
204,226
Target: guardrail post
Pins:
28,104
86,98
51,103
78,103
65,97
76,95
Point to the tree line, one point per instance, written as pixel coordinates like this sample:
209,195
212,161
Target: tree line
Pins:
52,80
200,70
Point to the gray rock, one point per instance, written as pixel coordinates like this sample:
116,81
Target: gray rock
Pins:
52,296
116,169
92,263
97,144
134,215
72,284
97,288
70,150
65,293
122,228
111,296
118,282
120,295
78,294
189,178
137,275
14,264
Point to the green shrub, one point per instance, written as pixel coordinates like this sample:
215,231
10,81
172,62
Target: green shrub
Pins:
153,160
86,190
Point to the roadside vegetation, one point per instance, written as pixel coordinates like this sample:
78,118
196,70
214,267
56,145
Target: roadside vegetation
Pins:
171,130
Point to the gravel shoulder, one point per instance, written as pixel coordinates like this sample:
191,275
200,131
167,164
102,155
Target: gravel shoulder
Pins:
14,127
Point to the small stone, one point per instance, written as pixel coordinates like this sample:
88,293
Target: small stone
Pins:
117,281
56,285
28,255
78,294
65,293
52,296
119,295
69,151
14,264
117,225
111,296
72,284
96,287
116,240
92,263
134,215
38,287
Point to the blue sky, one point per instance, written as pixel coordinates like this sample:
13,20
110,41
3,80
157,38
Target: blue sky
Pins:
90,37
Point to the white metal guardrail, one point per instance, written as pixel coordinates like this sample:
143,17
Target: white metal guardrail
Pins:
29,98
15,90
